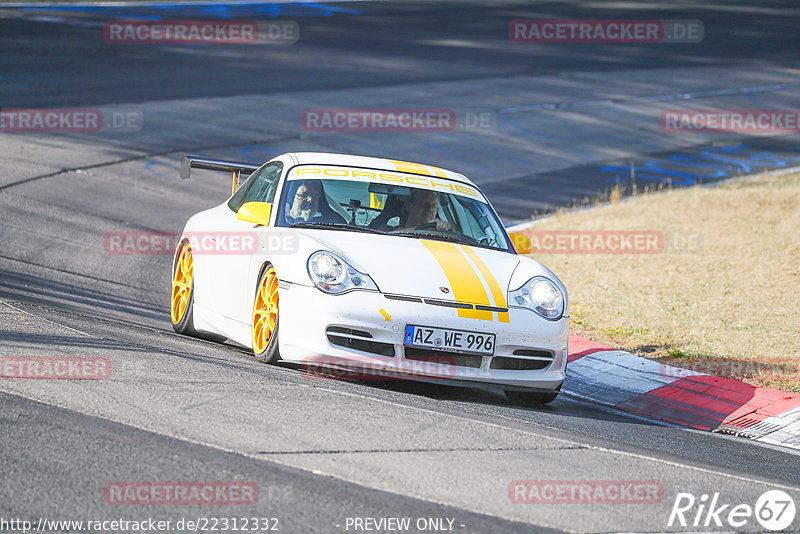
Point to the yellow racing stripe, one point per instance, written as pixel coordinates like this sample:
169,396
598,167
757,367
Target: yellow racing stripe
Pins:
464,281
497,293
438,172
416,168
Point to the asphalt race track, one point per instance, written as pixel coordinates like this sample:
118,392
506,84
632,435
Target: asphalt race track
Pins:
554,123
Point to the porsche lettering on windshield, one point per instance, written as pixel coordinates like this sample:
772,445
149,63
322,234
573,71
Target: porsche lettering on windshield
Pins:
395,204
436,184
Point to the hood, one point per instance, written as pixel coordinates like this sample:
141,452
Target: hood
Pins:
424,267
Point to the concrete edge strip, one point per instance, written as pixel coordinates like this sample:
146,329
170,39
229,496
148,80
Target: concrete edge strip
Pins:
681,396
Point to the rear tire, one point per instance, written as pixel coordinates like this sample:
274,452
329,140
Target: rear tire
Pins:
532,398
264,326
181,306
182,296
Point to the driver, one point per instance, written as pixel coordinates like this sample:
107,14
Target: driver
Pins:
421,209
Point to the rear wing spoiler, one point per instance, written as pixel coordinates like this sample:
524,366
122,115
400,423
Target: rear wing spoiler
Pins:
236,167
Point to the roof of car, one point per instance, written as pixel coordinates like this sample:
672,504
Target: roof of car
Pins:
347,160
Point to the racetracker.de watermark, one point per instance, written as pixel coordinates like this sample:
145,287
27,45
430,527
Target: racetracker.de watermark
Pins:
613,241
585,492
746,121
396,120
55,368
331,368
201,32
610,31
225,243
180,493
110,119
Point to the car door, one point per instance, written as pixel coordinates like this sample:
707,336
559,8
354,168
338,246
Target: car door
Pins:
233,284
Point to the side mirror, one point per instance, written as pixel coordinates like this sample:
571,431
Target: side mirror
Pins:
522,243
255,212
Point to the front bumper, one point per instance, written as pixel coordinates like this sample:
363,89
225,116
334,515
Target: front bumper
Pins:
315,327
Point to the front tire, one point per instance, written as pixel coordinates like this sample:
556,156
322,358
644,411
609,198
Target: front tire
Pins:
265,318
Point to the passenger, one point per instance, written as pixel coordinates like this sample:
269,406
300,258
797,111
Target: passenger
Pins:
310,205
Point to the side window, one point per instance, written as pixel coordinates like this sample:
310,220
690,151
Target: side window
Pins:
260,187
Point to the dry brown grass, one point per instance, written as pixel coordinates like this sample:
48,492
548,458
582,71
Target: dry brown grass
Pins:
729,308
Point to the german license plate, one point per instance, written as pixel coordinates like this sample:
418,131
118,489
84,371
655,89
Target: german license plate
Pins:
448,339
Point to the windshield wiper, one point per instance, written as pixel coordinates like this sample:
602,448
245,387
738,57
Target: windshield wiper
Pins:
336,226
440,237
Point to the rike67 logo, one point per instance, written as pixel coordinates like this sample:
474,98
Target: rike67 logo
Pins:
774,511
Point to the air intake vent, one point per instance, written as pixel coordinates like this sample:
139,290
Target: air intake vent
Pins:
448,304
351,338
403,298
490,308
532,353
348,331
518,364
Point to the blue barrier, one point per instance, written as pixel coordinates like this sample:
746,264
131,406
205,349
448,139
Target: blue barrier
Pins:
706,165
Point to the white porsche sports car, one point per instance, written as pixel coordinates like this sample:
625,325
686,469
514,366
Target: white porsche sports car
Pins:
388,267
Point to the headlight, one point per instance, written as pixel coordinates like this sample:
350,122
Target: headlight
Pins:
540,295
332,274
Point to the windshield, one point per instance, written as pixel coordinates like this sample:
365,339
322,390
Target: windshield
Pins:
389,203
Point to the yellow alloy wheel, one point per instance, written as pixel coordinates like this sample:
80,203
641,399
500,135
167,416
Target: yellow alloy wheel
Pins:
182,284
265,311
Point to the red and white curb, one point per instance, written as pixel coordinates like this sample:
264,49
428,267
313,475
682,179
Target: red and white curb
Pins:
637,385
